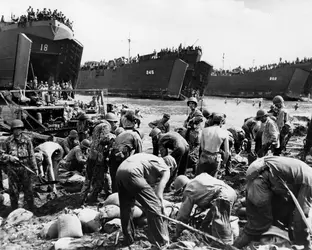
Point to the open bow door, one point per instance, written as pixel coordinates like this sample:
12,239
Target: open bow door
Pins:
22,61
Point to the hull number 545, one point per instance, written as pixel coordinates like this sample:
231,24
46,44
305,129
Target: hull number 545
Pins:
150,72
44,47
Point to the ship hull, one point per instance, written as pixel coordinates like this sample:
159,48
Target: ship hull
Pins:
292,82
53,53
161,79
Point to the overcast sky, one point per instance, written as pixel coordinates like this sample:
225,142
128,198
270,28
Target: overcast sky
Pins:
246,31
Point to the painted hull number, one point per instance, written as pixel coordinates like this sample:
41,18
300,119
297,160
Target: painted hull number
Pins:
44,47
149,72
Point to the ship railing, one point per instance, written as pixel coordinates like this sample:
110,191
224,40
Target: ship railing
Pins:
61,90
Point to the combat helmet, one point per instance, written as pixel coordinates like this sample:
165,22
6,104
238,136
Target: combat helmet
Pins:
155,132
73,134
278,100
206,113
218,118
260,114
17,124
84,116
85,143
180,182
192,99
111,117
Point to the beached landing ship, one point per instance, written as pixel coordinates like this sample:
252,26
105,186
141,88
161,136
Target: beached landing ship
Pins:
168,74
292,81
43,48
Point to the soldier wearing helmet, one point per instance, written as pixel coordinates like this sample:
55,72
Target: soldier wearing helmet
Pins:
18,152
206,191
179,150
238,137
112,119
194,114
212,139
128,119
161,124
70,141
76,159
250,127
283,123
267,201
270,133
143,177
98,164
126,144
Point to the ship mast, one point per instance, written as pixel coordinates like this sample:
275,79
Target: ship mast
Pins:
129,42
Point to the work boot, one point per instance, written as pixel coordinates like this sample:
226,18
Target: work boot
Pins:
242,240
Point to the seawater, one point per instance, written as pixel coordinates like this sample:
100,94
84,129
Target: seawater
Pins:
153,109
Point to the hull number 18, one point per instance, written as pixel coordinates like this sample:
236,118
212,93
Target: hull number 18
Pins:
44,47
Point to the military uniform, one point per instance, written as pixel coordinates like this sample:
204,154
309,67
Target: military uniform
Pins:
270,136
75,160
19,177
83,127
52,155
178,145
125,143
206,191
68,144
164,128
264,186
249,128
136,177
238,137
193,138
284,127
97,167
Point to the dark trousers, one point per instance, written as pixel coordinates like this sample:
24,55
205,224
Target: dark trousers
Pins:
249,137
180,154
209,163
181,157
133,186
155,147
19,179
1,180
116,158
97,174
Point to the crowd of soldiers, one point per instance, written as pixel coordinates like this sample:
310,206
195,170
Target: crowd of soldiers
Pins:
48,94
240,70
112,159
43,15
